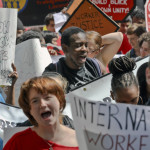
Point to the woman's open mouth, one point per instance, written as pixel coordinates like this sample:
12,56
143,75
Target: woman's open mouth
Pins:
46,115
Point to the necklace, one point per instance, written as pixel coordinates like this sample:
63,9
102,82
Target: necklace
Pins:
51,146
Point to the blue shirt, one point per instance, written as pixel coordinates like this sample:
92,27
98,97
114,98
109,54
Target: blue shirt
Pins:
1,144
1,98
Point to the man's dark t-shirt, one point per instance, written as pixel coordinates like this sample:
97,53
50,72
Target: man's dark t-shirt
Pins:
90,71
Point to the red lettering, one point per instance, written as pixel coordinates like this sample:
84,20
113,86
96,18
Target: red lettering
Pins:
129,144
141,142
106,142
118,143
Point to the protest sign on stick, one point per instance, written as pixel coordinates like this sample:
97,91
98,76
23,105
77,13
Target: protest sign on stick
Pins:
107,126
8,21
89,17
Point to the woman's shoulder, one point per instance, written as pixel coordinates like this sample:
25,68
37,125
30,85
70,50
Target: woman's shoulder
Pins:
70,135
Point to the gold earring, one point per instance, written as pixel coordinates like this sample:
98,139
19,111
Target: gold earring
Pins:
141,100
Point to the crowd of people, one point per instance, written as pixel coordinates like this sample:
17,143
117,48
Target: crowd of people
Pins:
88,56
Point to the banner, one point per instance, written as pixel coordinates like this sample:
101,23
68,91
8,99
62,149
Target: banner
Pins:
107,126
9,116
8,21
33,12
118,10
30,60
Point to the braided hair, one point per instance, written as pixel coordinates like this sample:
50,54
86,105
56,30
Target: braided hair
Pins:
122,75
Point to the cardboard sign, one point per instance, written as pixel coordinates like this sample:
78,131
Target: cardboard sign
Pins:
147,15
118,10
107,126
8,21
89,17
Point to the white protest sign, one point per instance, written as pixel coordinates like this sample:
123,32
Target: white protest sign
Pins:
109,126
30,61
98,89
8,27
9,116
59,19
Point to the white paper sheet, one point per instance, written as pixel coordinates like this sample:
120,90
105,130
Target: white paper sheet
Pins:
59,19
30,61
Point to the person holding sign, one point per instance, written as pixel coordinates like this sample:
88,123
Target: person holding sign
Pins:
42,100
124,84
76,67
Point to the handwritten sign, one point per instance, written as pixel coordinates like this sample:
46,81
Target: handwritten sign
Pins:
89,17
107,126
30,61
8,21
